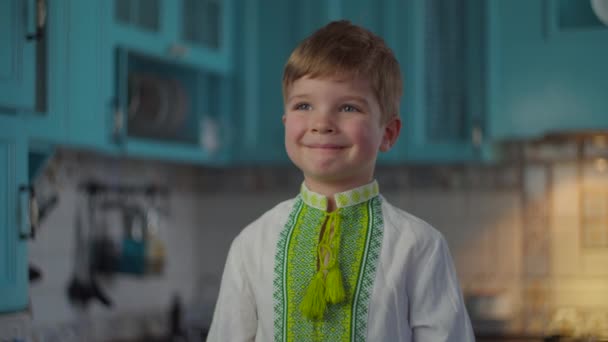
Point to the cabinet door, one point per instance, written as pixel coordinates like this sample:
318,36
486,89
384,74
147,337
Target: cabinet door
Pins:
265,40
46,122
140,24
13,221
549,69
205,28
17,54
171,111
195,32
33,68
89,84
444,85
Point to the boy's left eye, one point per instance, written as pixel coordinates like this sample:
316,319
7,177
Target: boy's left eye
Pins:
302,106
350,108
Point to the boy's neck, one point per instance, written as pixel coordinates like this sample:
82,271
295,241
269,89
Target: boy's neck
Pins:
329,189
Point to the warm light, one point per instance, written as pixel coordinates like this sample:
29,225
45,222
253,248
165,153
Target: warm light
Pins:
600,141
601,164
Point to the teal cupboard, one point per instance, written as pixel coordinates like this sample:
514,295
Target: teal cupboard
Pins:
14,228
31,116
17,54
549,74
134,58
31,92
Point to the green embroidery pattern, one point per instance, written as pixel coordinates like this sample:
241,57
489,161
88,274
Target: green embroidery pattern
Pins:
296,264
343,199
279,294
301,267
368,269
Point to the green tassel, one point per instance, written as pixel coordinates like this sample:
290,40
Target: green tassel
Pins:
334,291
313,304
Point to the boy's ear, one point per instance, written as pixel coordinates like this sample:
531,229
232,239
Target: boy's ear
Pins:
283,119
391,133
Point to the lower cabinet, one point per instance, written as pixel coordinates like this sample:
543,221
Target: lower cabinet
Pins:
14,230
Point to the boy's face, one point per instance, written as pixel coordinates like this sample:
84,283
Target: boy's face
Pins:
333,130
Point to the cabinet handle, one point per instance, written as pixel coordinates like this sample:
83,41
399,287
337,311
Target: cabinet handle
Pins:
40,22
28,209
118,131
476,135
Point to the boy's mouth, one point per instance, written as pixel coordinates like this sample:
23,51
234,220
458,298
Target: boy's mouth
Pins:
325,146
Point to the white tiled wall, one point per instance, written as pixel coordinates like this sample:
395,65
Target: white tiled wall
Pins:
53,252
579,275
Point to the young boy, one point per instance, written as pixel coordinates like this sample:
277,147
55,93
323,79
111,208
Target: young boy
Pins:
338,262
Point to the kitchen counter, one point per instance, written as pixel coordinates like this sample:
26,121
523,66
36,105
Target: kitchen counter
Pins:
486,337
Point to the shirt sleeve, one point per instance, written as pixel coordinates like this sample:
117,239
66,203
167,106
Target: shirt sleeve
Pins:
235,315
437,311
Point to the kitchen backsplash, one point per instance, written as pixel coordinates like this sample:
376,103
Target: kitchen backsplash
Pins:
478,208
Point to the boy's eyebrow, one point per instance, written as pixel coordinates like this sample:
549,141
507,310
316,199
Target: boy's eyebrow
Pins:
360,99
356,98
302,96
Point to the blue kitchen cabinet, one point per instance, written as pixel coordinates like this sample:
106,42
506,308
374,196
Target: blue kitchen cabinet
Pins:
196,32
443,59
265,40
132,95
46,123
88,124
548,68
14,230
31,113
171,110
32,63
17,55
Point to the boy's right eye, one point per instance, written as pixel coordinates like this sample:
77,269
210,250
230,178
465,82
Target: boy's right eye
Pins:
302,106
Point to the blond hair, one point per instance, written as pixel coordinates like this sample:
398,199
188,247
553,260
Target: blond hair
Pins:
341,48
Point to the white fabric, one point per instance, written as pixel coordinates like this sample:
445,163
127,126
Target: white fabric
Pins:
416,296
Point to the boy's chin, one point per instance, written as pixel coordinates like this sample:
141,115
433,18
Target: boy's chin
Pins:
325,175
339,178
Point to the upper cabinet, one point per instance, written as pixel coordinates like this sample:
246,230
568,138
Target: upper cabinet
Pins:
445,75
200,80
14,229
548,61
33,68
152,78
17,54
197,32
264,40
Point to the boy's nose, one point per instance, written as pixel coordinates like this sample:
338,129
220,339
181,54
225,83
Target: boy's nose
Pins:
323,129
323,124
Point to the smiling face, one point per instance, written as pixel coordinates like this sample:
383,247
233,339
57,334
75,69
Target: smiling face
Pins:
333,132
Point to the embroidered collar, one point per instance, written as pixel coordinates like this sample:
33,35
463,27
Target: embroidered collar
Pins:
343,199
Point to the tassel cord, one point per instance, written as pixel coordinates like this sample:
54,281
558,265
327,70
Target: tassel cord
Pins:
326,286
